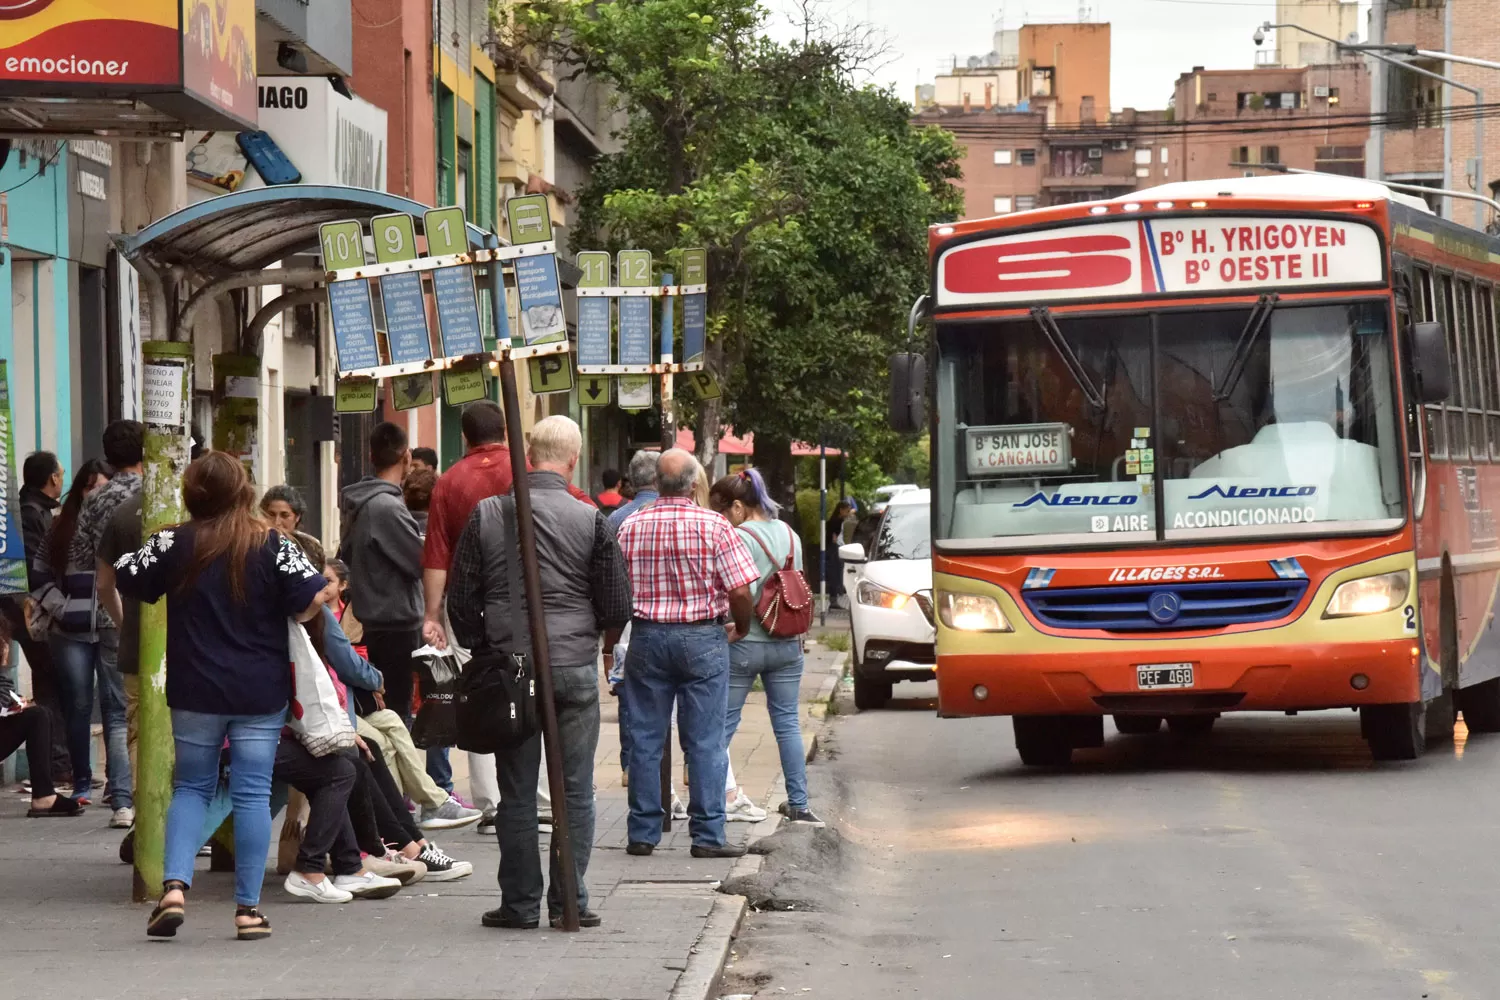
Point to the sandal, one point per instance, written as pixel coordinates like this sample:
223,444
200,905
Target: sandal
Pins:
60,807
167,917
251,932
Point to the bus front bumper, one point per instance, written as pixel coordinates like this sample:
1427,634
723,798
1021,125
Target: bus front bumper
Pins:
1249,678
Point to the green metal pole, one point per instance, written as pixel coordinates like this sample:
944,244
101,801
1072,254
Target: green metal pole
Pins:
168,389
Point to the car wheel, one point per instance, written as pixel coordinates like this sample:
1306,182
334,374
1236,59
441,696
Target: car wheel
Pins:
1138,725
1042,740
1395,732
870,694
1191,725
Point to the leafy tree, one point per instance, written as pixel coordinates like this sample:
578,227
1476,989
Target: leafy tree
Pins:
812,194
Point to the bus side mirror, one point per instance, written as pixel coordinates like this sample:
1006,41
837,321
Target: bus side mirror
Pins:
908,393
1429,349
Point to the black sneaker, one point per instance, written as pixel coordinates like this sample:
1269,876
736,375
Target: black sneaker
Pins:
638,849
499,918
718,850
486,825
805,817
586,918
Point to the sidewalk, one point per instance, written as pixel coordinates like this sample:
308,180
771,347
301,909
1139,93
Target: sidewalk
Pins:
64,896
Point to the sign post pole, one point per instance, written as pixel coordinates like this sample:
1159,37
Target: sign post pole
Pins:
167,387
531,578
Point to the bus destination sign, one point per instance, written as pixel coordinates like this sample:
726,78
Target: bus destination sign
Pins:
1179,255
1019,449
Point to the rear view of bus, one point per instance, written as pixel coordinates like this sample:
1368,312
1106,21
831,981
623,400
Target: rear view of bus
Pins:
1174,442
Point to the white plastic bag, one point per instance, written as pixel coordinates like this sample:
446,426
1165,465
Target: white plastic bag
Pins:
320,723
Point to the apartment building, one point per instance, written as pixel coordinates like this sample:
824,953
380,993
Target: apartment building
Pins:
1419,144
1294,49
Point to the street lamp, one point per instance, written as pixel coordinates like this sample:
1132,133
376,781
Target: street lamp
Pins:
1377,52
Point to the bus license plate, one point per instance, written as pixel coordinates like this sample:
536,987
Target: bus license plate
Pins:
1156,676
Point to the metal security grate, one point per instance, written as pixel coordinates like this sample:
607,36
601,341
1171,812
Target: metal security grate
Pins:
1166,608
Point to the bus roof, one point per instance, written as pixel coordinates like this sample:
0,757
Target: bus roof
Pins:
1320,187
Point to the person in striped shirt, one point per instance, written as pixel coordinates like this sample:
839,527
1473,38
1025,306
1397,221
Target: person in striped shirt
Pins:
690,574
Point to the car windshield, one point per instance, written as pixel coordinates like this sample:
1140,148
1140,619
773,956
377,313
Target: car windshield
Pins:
905,532
1283,426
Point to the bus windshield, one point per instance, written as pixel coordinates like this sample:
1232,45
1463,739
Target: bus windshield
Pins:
1275,424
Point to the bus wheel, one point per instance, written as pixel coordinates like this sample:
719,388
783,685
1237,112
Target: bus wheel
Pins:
1043,740
1481,706
1137,725
870,694
1191,725
1395,732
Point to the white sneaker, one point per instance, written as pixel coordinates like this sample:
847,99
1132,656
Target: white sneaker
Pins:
319,892
742,810
679,811
368,885
122,819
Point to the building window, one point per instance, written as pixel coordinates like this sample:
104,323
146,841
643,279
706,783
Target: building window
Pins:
1270,154
484,153
1163,154
1003,157
1289,100
1027,157
1003,205
1333,95
447,187
1143,157
1143,171
1025,202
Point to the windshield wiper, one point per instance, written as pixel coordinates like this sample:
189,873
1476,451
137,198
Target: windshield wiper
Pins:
1260,314
1048,324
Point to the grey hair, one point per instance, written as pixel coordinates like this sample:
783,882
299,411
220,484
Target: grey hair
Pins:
682,482
642,471
287,494
555,440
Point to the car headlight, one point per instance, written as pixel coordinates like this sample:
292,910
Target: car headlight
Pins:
971,613
1369,595
879,597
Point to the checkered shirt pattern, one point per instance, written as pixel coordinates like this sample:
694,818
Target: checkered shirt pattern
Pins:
683,561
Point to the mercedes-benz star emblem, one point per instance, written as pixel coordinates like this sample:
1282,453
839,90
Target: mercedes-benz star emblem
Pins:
1164,606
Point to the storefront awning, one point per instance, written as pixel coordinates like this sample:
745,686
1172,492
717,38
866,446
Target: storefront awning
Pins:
251,230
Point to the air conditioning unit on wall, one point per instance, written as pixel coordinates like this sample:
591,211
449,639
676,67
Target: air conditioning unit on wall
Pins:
1321,91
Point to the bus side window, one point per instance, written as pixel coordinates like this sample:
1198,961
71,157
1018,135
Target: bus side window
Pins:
1476,363
1424,310
1453,409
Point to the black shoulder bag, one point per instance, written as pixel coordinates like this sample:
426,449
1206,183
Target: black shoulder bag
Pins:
496,698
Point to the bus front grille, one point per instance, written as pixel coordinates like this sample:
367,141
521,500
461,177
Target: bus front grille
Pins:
1166,607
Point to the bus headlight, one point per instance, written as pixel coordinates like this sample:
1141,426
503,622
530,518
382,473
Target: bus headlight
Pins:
971,613
1369,595
879,597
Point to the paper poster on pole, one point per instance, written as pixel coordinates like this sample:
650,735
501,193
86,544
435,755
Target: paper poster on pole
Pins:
411,391
550,373
635,392
542,320
594,313
594,390
355,395
13,578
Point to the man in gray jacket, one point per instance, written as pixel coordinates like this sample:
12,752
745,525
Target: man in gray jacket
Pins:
585,592
383,550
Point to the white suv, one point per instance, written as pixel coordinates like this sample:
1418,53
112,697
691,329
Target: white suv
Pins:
890,609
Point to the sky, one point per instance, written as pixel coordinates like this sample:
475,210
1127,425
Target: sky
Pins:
1153,41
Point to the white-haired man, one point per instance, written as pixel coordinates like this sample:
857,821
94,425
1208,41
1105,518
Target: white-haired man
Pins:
587,593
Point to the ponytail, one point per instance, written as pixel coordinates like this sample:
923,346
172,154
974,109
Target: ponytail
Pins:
749,488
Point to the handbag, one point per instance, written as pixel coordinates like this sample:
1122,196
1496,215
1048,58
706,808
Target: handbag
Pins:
495,704
316,718
785,608
436,724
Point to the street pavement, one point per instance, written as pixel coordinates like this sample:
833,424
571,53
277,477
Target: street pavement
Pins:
68,930
1272,859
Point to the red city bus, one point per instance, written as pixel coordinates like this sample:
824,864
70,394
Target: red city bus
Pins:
1196,451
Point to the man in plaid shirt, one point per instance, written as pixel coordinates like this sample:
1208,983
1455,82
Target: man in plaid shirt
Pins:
689,572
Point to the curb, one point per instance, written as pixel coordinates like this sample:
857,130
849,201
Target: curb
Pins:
710,953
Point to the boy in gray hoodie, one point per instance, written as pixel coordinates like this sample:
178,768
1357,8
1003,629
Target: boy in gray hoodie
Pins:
383,549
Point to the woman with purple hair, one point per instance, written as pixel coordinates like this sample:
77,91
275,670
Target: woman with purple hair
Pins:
744,500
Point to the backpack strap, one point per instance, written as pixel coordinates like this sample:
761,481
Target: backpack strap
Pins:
770,558
791,548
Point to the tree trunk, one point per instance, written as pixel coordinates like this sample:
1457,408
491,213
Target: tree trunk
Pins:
773,457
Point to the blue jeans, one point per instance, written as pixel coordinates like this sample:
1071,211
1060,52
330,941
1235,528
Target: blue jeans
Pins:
779,666
439,769
576,695
78,664
688,664
198,738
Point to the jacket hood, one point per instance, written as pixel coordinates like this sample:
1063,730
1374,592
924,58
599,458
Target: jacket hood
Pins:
356,495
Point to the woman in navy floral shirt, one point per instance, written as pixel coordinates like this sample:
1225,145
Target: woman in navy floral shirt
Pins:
231,583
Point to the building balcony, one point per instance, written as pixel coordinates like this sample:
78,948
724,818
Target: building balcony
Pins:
1065,181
